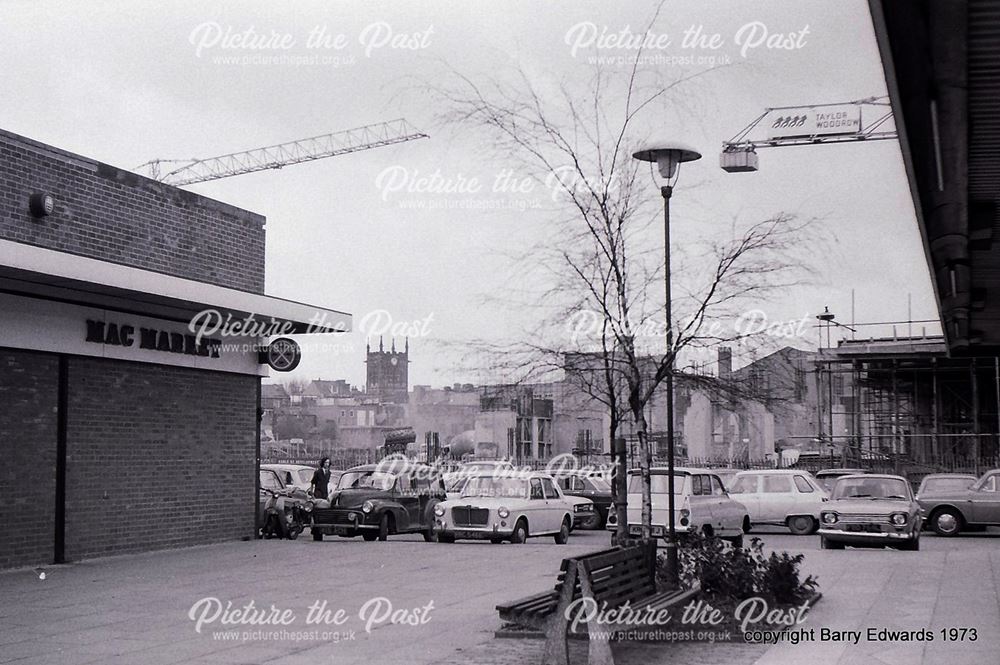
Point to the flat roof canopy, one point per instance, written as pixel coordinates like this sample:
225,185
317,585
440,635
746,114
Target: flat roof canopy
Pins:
49,274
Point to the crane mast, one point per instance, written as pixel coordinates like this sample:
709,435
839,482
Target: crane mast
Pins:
278,156
814,124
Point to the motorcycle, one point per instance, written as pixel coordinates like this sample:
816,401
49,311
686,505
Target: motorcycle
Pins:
286,514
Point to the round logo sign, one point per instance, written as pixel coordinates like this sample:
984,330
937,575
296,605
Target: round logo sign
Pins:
283,354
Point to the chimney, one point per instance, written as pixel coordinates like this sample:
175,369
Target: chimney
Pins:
725,362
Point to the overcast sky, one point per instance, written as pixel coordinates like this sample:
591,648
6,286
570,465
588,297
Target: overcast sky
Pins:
131,81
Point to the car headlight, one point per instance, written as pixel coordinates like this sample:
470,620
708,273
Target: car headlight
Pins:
685,514
307,506
367,507
582,508
503,513
899,519
829,518
438,510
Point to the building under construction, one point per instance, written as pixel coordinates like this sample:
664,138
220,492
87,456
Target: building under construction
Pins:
905,402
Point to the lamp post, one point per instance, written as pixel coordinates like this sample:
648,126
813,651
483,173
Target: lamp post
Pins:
668,158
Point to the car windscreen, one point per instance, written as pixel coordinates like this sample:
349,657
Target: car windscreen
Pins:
873,488
488,486
658,483
946,484
366,479
305,476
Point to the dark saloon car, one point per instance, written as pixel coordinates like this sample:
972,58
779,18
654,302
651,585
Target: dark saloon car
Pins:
588,487
973,508
379,500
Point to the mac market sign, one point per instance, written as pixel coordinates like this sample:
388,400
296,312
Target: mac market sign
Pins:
281,355
56,327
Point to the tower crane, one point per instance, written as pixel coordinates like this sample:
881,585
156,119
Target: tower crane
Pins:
808,125
194,170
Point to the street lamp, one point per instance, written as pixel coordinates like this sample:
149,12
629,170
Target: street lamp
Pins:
668,158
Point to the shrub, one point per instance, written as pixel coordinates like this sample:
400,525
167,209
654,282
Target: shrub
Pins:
735,574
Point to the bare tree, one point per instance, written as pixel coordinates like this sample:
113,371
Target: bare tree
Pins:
607,262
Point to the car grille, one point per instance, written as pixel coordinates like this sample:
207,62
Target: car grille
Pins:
331,516
864,518
469,516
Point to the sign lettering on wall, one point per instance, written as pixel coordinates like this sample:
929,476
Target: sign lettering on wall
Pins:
55,327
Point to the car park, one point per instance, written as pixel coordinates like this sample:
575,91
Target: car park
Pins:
871,510
827,477
593,488
509,507
378,500
973,508
701,504
780,497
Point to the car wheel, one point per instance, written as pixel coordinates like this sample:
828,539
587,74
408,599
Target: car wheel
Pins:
910,545
428,535
293,532
827,544
520,534
384,526
317,534
946,522
737,541
801,525
369,536
446,538
746,525
496,541
563,536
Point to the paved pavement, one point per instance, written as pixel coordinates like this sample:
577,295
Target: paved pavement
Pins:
135,609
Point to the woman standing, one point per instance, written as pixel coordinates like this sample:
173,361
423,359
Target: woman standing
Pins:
319,486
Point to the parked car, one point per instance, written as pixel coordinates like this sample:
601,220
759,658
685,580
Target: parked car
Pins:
975,507
780,497
379,500
827,477
701,504
298,475
936,483
871,509
498,508
594,488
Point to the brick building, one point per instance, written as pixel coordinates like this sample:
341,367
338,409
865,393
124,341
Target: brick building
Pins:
120,429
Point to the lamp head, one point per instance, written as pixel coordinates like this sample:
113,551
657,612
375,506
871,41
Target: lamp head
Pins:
667,156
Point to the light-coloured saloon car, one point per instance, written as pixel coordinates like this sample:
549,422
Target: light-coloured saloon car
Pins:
701,504
871,510
504,507
780,497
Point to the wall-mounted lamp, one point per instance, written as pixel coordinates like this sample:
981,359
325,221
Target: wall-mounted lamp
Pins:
41,204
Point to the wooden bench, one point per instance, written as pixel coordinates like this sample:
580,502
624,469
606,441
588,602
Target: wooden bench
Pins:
611,578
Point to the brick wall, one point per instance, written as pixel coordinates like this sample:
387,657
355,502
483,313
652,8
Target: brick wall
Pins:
106,213
157,457
27,457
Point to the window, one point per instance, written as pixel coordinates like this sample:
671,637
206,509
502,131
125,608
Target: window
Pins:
743,485
576,484
700,486
550,489
269,480
990,485
717,489
403,484
803,485
536,489
777,484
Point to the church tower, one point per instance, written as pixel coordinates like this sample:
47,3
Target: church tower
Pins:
387,372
